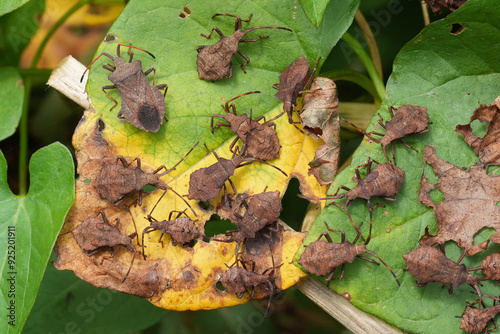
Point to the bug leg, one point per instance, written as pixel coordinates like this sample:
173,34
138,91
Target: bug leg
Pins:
210,35
200,47
391,111
381,120
231,147
135,226
110,87
326,235
245,63
229,72
334,230
276,86
131,264
367,134
109,67
409,146
162,86
218,124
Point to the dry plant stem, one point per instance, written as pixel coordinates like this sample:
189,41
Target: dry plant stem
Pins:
370,39
23,124
344,312
425,13
66,79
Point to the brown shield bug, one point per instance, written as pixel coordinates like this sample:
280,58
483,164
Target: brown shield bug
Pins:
323,257
428,265
293,81
238,279
261,139
205,184
115,181
490,267
214,61
96,233
143,105
405,121
182,230
476,320
261,210
383,181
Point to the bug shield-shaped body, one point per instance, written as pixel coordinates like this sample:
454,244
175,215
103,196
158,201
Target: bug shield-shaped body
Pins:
475,320
214,61
116,181
428,264
143,105
293,81
261,210
384,180
182,229
205,184
408,120
94,233
322,257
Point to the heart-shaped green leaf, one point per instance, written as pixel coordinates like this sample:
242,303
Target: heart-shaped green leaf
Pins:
29,226
450,67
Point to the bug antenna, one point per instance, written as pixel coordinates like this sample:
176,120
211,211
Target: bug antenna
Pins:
385,264
255,28
154,207
135,226
93,61
131,264
177,164
134,47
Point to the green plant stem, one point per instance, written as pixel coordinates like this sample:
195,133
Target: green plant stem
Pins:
370,39
29,73
370,67
23,139
53,29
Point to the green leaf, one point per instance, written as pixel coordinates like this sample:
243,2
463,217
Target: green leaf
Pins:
173,40
11,100
66,304
448,74
16,30
315,10
8,6
30,224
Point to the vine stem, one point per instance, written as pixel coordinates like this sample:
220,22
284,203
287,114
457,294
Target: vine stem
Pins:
425,13
372,43
367,61
23,124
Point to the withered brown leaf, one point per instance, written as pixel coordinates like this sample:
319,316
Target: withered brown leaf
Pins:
487,147
469,204
320,118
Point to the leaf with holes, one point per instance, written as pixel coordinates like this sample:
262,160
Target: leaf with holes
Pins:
447,73
184,276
